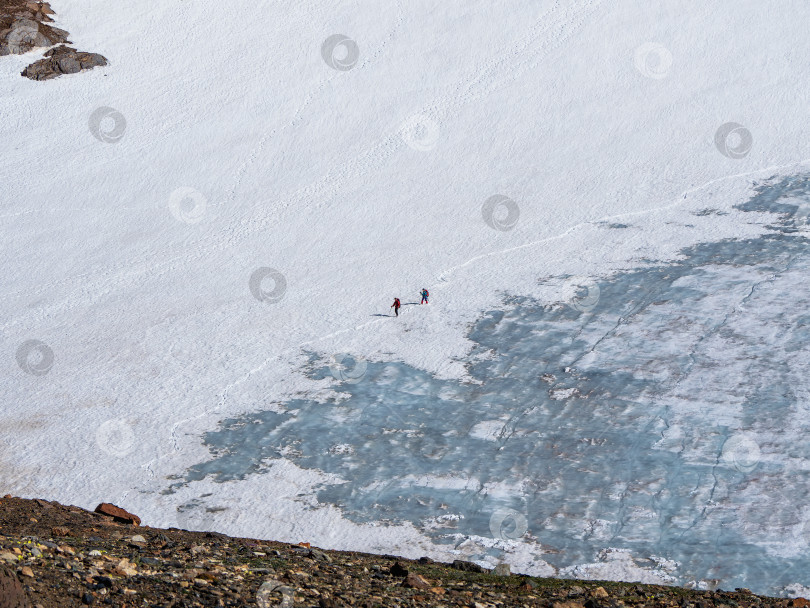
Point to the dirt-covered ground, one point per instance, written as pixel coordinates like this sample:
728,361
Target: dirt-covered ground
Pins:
56,556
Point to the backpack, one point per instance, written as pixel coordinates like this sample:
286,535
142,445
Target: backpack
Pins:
426,293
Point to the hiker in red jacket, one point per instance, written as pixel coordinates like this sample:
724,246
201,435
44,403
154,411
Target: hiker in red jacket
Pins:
424,293
396,306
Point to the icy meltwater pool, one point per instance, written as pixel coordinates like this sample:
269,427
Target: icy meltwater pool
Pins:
658,420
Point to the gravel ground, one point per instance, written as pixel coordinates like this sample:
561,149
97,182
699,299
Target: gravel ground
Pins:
53,555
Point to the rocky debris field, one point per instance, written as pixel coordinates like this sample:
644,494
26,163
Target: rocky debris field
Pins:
62,60
24,26
53,555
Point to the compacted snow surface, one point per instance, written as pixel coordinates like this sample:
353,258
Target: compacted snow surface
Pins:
608,202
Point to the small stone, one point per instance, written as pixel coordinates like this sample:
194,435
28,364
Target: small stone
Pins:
321,556
7,556
466,566
95,553
125,568
398,570
414,581
138,539
60,531
599,592
26,571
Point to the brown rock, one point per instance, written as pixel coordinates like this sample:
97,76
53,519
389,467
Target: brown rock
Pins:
12,594
62,60
414,581
118,514
599,592
60,531
799,602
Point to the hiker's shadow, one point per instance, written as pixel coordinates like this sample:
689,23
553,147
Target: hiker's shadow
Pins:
378,315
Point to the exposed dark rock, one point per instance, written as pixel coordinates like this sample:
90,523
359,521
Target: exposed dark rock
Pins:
24,25
467,566
398,570
62,60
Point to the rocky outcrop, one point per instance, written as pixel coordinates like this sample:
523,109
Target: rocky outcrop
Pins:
25,26
62,60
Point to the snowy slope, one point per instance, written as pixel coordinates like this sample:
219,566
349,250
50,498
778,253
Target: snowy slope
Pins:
237,147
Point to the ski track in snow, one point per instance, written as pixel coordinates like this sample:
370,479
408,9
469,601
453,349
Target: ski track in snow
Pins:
137,272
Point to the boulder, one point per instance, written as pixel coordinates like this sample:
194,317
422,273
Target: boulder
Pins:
62,60
118,514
